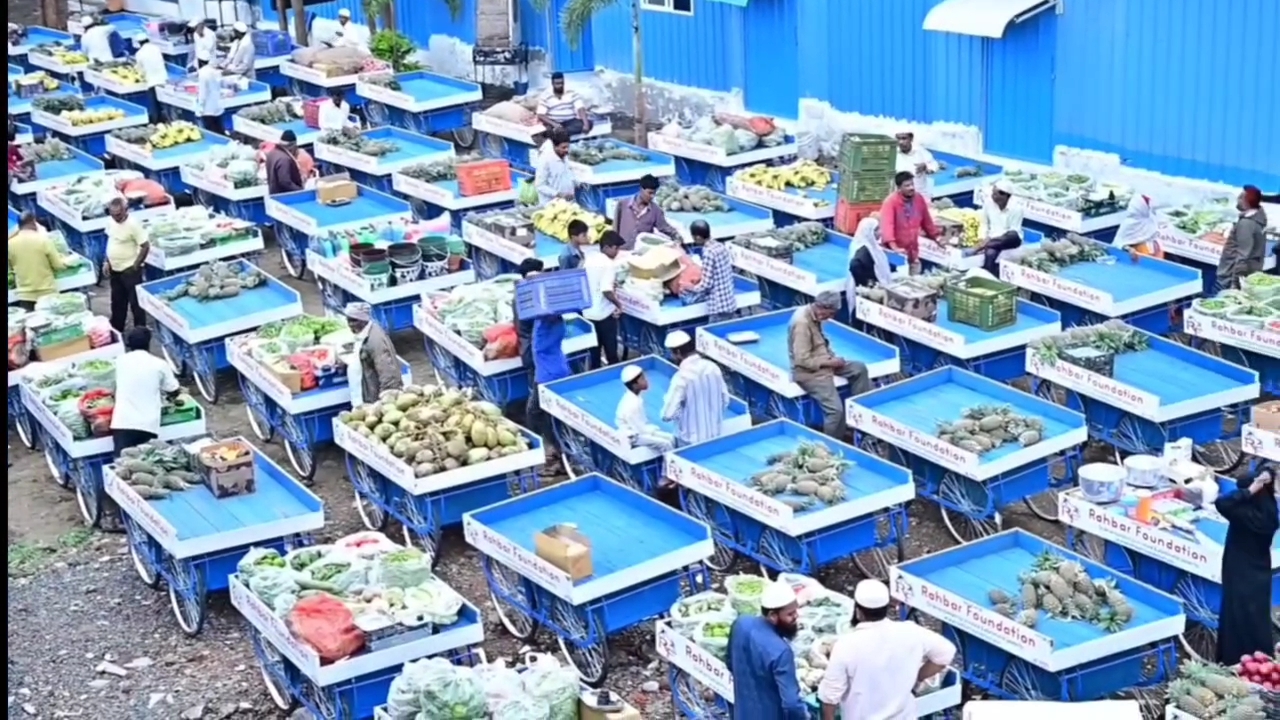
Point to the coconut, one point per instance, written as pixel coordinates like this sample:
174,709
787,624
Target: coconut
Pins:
406,401
424,456
479,434
506,438
344,417
384,431
356,415
486,408
456,448
476,456
364,430
401,448
393,417
451,464
424,469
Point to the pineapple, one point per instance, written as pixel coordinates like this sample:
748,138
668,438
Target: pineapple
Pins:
1030,599
1052,605
999,597
1123,610
1028,618
1060,588
1083,584
1084,607
1108,622
1070,570
1046,561
1042,578
1189,698
1225,685
1006,609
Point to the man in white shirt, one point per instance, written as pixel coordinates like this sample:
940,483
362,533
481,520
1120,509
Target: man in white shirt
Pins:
697,397
1000,228
602,271
143,381
151,62
918,161
95,43
873,671
553,178
336,113
242,55
562,109
204,44
209,98
631,418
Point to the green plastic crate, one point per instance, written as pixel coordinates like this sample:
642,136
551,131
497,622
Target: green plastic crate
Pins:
867,153
982,303
867,188
59,336
177,416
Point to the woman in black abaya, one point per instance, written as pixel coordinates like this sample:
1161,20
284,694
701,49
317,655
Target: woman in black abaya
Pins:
1244,621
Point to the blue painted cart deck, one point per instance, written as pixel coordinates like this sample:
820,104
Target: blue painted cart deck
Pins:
906,415
15,72
133,115
947,184
421,91
193,522
55,172
38,35
619,172
809,203
960,340
766,360
1164,382
304,212
412,149
588,403
740,218
164,158
673,310
305,134
621,557
1120,288
952,586
22,105
722,469
195,321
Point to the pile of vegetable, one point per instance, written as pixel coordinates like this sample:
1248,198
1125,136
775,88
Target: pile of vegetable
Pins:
968,223
479,313
58,104
156,468
674,197
160,136
432,688
275,112
810,475
87,196
784,242
598,152
798,177
62,317
984,428
216,281
387,80
1076,192
732,133
1214,692
337,61
1064,591
312,347
935,280
1245,307
334,597
352,140
1212,217
1052,256
194,228
440,170
237,162
1113,336
47,150
64,392
434,430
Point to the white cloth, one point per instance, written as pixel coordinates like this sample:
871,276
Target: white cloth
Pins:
142,381
632,420
872,671
1139,224
209,91
602,273
96,43
696,400
240,58
867,236
908,161
355,371
151,62
560,108
996,222
334,117
204,46
553,178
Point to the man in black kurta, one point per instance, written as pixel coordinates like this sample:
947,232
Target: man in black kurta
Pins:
1244,621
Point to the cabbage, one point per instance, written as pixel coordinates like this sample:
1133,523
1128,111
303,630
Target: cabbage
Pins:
723,138
456,695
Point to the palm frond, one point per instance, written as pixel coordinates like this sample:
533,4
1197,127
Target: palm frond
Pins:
577,14
455,8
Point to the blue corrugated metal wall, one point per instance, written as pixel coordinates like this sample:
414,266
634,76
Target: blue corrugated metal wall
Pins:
1019,85
1182,87
418,19
703,50
771,78
563,55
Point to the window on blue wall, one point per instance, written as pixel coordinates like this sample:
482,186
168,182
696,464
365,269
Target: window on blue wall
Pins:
679,7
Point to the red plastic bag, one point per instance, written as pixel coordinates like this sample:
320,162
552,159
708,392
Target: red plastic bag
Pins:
324,623
503,346
498,331
154,191
689,277
99,415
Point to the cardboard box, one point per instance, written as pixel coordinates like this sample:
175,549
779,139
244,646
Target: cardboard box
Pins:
913,299
1266,416
290,378
586,712
333,189
566,548
66,348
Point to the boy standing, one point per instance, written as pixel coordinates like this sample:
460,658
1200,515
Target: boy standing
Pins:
571,255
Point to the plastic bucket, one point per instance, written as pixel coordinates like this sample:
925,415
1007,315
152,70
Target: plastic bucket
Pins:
379,276
1102,482
404,255
434,247
1144,471
407,274
372,256
357,250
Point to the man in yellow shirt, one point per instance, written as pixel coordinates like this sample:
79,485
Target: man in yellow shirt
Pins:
127,247
35,261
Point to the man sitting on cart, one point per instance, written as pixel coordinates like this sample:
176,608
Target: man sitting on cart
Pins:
814,367
377,367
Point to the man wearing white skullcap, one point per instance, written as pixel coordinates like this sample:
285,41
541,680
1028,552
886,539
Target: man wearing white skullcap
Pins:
873,671
814,367
242,55
150,60
917,160
1000,228
204,44
631,418
374,367
697,396
762,662
345,33
95,43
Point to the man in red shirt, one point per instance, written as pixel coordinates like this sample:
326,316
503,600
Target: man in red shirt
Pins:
904,217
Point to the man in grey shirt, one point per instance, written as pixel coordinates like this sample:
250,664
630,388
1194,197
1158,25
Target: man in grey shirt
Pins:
640,214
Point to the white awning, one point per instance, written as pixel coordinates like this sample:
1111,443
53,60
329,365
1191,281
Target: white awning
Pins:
982,18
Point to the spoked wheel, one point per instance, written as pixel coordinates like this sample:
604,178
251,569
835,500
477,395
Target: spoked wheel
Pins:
55,467
204,197
1222,457
175,361
1100,551
971,517
323,700
205,372
698,506
376,112
271,665
465,138
26,433
1130,436
1023,681
693,699
891,535
89,497
255,403
297,447
591,659
487,265
1151,700
785,551
509,593
141,552
420,531
188,595
1200,641
1200,638
1044,505
295,266
369,493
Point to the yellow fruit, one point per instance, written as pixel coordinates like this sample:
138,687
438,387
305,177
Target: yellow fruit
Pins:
800,175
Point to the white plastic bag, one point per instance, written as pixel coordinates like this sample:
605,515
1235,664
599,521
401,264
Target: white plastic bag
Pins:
688,613
745,592
828,613
557,685
805,587
500,684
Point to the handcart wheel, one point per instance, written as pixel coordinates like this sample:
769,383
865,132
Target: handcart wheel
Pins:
971,518
297,447
296,268
368,493
891,534
141,553
204,197
1222,457
205,374
89,497
420,531
55,467
1130,436
1151,700
591,661
26,433
188,595
509,594
1102,552
1199,641
1200,638
493,146
692,699
175,363
376,112
269,663
699,507
1044,505
785,551
1023,681
262,428
465,137
371,515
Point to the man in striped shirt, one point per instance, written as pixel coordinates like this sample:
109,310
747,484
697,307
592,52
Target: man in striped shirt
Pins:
716,286
697,397
562,109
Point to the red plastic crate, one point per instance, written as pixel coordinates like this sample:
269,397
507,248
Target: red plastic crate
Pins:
848,215
311,112
484,177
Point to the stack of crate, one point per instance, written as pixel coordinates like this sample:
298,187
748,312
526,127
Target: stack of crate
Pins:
866,165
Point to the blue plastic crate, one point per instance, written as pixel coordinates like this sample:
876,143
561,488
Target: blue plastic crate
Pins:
271,43
553,293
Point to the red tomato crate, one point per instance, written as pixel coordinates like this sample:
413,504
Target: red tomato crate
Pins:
848,215
311,112
484,177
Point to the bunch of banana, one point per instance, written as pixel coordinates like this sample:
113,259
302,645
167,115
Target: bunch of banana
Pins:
173,134
800,175
70,57
92,117
970,222
553,220
127,75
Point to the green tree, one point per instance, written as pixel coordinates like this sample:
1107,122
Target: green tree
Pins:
576,17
